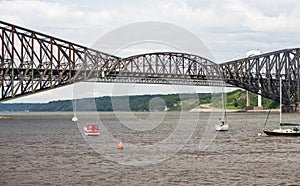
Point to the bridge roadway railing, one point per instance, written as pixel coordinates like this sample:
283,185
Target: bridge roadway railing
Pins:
165,81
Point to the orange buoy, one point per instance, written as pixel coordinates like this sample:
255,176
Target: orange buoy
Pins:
121,145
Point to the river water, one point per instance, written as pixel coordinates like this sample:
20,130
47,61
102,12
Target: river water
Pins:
51,150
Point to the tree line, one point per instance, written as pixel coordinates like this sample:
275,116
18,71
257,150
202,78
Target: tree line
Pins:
170,102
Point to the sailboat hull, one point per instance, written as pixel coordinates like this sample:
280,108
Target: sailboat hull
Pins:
74,119
281,133
222,127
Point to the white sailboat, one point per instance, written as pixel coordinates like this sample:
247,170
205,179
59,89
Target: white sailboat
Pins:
223,125
74,119
285,129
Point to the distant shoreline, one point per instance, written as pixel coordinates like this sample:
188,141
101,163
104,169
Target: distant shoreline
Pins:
234,111
69,115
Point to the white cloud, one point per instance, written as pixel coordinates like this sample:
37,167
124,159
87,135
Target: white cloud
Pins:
269,16
215,22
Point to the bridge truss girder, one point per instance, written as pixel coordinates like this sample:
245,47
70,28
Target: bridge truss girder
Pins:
260,74
31,62
163,67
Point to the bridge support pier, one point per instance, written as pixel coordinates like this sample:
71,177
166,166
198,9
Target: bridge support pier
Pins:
248,100
259,101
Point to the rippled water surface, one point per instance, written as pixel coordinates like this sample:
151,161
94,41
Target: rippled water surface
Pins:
52,151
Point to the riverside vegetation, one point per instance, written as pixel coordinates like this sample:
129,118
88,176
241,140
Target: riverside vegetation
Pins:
172,102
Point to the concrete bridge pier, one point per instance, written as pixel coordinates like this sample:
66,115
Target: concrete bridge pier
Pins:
259,98
248,100
259,102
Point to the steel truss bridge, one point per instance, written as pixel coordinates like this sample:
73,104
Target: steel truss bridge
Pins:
32,62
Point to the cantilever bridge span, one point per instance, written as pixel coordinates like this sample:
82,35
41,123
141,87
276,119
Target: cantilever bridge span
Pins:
260,74
32,62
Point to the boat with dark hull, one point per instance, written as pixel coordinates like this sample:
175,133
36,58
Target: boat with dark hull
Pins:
292,130
286,129
281,133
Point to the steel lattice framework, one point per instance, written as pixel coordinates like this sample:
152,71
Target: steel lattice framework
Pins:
261,74
31,62
165,68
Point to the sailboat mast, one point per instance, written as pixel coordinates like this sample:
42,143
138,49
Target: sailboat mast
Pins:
224,104
74,101
222,100
280,92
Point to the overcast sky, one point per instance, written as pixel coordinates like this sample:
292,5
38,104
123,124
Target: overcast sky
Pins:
228,28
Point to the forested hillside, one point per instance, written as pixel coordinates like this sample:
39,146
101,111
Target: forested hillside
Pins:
171,102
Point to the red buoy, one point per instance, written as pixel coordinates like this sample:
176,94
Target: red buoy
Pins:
121,145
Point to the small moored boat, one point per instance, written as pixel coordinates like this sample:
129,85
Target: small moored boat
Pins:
91,130
74,119
222,126
286,129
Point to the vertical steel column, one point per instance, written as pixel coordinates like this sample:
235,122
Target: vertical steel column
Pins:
2,46
85,63
41,66
97,63
12,61
32,62
51,62
70,63
297,61
2,65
